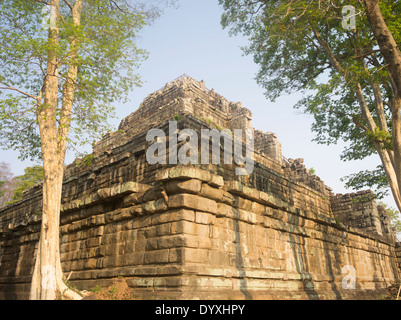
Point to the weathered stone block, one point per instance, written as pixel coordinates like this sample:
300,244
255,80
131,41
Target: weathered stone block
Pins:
243,204
132,199
225,210
173,241
154,206
212,193
176,255
157,256
187,186
192,202
213,282
128,187
204,218
217,258
173,215
196,255
187,227
183,173
216,181
104,193
152,194
228,198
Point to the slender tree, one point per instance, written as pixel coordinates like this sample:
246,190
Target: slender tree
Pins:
345,58
1,186
7,184
63,63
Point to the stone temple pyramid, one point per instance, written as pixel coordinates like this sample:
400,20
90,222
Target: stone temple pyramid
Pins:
201,231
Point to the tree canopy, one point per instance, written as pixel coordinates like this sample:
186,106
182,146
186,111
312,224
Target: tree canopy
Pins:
101,47
348,76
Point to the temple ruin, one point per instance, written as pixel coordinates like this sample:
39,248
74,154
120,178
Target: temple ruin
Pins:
199,231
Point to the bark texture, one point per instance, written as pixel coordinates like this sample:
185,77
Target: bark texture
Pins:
48,282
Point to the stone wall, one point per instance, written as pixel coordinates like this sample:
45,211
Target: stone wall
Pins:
385,223
268,144
212,238
359,210
198,231
296,170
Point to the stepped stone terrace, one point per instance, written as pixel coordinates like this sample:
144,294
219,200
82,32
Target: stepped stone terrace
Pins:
201,231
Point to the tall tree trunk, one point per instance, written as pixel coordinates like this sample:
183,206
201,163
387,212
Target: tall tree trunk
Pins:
47,279
384,154
385,40
391,160
62,134
44,277
392,57
44,282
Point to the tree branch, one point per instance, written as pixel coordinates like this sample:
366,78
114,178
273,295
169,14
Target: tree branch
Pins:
118,7
68,4
69,84
44,2
8,87
329,53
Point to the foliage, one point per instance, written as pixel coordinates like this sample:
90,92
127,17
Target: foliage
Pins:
375,179
107,59
7,183
2,191
85,160
395,217
32,175
301,46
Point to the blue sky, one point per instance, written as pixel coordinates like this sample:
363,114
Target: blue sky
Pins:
189,39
